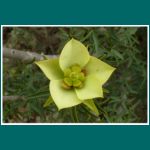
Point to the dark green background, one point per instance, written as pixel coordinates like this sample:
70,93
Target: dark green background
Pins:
74,12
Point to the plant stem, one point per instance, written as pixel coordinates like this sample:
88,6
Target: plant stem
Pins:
74,114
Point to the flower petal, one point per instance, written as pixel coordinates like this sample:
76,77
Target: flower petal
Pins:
99,68
51,68
91,89
63,98
73,53
90,104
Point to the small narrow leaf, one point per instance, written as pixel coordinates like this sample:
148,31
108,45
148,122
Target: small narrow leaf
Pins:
95,40
90,104
118,54
87,36
48,102
105,90
131,31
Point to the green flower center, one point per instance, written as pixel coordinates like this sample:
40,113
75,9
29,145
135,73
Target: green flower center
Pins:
74,76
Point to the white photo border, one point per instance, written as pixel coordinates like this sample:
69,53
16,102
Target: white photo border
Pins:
147,123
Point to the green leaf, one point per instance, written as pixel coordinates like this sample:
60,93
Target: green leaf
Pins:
91,89
51,68
73,53
48,102
105,90
87,36
99,69
95,42
131,30
117,53
63,98
90,104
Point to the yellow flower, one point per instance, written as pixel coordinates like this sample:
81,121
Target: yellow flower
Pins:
75,77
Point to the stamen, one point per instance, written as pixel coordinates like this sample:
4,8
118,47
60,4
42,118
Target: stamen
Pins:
73,77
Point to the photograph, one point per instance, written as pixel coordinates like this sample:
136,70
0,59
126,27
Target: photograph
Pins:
74,74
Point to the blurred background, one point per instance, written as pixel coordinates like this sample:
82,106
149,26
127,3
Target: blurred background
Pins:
125,93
